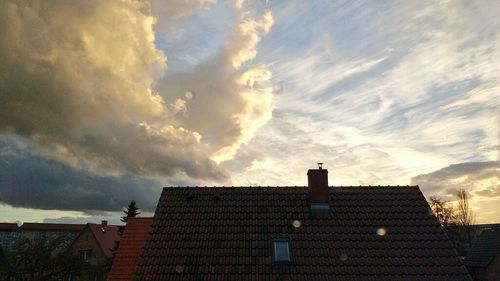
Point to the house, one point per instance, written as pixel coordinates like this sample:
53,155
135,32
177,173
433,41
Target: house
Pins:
464,236
21,257
131,245
94,245
10,233
317,232
483,260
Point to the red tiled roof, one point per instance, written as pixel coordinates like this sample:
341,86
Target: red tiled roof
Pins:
131,244
42,227
226,234
106,237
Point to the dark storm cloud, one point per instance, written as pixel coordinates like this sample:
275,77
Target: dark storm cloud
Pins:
30,180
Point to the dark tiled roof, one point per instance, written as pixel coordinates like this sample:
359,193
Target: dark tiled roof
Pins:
106,237
42,227
133,239
487,246
225,234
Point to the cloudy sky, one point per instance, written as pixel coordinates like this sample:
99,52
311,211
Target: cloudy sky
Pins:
103,102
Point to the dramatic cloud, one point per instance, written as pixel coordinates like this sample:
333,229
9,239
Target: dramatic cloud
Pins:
224,99
398,90
79,90
27,179
77,83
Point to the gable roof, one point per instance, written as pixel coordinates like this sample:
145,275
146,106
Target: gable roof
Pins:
131,244
106,237
10,233
42,227
487,246
225,233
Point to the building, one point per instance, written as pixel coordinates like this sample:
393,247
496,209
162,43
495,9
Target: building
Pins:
316,232
95,245
483,260
131,245
10,233
464,236
21,254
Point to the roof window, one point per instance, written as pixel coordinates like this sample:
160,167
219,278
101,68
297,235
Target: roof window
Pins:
320,207
282,251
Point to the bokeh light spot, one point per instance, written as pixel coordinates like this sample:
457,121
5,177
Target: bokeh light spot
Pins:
381,231
296,223
189,95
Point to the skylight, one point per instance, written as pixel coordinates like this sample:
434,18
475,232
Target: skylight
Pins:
320,207
282,251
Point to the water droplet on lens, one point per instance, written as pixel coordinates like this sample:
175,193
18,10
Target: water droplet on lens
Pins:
381,231
189,95
296,223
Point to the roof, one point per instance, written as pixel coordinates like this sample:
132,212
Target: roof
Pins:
487,246
226,233
106,237
133,239
42,227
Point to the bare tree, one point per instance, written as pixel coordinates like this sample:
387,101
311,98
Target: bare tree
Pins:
442,210
464,215
38,259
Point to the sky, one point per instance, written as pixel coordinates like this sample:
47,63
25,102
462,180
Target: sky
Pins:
103,102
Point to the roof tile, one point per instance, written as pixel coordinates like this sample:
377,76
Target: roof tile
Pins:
225,233
131,245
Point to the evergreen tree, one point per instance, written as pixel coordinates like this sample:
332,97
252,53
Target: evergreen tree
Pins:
130,212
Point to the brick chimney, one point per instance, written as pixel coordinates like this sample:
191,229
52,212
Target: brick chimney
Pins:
104,224
318,185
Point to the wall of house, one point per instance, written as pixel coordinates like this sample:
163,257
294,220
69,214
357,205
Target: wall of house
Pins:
87,241
97,262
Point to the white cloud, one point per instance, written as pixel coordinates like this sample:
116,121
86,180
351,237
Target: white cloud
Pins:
233,97
417,93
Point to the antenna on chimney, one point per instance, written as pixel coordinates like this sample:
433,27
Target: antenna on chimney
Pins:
320,165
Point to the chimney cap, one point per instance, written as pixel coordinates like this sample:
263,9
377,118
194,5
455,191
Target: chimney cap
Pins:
320,165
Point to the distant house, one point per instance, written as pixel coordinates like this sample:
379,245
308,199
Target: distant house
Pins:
483,260
131,245
464,236
11,232
297,233
94,245
19,245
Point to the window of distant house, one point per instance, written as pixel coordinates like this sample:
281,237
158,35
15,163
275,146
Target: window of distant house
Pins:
282,251
85,255
320,207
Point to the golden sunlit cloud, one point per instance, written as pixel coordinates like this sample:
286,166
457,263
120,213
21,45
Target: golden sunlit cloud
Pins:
83,83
